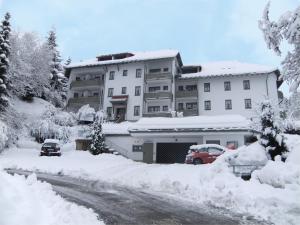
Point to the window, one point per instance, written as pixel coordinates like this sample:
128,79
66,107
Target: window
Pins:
76,95
232,144
138,73
206,87
214,151
136,110
165,88
228,104
154,70
154,89
111,75
191,105
191,87
77,78
109,111
110,92
137,91
153,108
227,86
180,88
123,91
248,104
166,70
246,84
96,94
207,105
180,106
217,142
137,148
165,108
125,72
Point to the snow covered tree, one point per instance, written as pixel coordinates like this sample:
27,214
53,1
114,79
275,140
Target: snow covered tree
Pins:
97,146
288,28
68,62
4,62
270,136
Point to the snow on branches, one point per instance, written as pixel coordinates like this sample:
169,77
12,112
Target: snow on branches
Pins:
288,28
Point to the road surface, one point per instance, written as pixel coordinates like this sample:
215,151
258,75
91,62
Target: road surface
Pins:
122,205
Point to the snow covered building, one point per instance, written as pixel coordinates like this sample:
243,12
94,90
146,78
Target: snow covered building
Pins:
128,86
216,101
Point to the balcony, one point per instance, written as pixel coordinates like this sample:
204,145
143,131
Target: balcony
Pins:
158,76
190,112
157,114
86,83
84,100
186,94
158,95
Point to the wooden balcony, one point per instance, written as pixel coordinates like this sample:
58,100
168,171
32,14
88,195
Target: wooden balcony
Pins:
84,100
157,114
186,94
86,83
158,95
158,76
190,112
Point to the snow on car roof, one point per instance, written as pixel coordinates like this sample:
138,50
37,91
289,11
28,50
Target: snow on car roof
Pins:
224,68
196,147
51,141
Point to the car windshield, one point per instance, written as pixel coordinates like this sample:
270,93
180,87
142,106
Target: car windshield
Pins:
49,145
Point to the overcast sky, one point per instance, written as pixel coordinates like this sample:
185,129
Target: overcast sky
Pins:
202,30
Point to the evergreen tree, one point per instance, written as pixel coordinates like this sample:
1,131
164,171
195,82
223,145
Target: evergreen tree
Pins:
270,137
56,67
4,62
97,146
288,28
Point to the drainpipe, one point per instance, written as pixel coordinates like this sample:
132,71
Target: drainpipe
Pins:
267,86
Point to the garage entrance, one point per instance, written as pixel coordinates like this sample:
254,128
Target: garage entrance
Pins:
172,152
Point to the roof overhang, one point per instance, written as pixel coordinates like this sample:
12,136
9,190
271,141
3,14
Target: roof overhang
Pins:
119,99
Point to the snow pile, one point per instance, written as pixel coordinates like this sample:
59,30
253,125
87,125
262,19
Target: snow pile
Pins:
30,202
253,154
212,184
86,113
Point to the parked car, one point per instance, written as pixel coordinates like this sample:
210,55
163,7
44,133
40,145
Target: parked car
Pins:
202,154
50,147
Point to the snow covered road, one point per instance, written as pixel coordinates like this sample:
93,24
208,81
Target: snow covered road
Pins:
123,205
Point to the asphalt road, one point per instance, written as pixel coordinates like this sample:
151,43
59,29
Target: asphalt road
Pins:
122,205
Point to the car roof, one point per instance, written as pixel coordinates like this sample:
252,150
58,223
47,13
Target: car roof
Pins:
55,141
197,147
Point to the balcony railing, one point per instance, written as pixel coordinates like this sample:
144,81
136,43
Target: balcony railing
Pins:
158,95
186,94
157,114
189,112
86,83
84,100
158,76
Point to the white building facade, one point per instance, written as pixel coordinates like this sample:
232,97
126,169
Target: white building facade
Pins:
134,86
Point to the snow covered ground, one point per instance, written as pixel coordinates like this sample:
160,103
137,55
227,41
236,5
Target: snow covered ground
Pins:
272,194
30,202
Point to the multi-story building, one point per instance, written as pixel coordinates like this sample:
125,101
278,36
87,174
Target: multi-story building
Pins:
128,86
216,100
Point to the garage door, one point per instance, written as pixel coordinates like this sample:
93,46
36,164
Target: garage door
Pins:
172,152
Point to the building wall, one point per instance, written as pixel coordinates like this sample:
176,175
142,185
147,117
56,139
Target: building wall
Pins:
261,86
129,81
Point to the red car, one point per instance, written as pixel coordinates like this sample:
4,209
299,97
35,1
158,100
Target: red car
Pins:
202,154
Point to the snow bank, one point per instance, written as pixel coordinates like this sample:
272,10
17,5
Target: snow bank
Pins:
212,184
30,202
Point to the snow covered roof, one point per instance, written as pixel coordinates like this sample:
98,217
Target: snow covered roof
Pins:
137,56
193,123
116,128
225,68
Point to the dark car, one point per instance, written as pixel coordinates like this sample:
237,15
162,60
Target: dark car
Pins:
202,154
50,148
